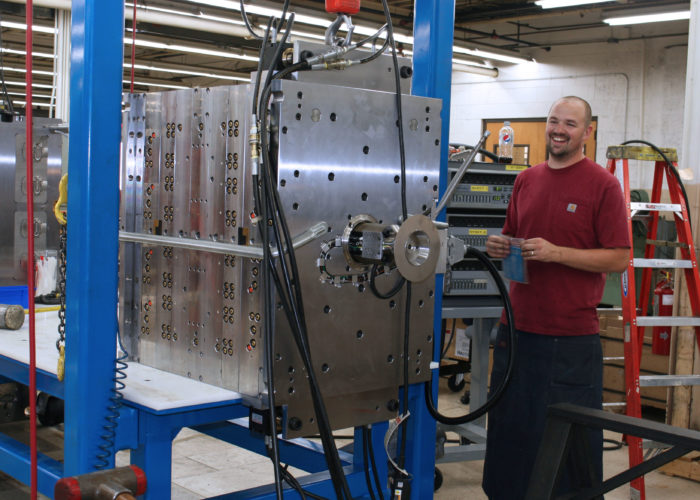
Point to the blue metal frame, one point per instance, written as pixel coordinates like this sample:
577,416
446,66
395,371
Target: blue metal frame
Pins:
97,52
96,74
433,35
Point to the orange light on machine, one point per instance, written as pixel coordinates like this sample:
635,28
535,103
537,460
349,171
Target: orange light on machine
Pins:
343,6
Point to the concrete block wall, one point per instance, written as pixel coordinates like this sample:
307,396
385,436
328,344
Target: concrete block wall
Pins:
636,90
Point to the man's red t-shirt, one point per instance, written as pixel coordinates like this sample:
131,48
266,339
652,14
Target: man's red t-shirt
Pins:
580,206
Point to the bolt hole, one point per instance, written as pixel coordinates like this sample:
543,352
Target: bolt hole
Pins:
300,94
390,359
361,288
331,176
425,178
298,116
333,117
283,182
396,179
284,130
360,334
365,150
296,173
295,206
364,196
326,309
392,304
325,368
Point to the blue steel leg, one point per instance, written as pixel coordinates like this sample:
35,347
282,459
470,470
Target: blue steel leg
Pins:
154,456
97,36
433,33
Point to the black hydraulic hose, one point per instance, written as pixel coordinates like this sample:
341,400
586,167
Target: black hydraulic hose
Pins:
671,168
375,472
256,87
399,110
247,24
365,457
298,323
373,285
496,395
376,53
449,343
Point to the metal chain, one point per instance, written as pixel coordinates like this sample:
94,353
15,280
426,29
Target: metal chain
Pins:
62,241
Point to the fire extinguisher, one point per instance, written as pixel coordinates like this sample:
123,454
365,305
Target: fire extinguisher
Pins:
663,306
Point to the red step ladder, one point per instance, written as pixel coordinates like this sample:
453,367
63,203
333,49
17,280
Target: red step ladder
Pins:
634,315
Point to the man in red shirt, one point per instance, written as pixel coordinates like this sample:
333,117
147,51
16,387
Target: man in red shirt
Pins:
570,212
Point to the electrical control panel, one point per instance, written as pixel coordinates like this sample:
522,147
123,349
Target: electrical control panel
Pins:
476,211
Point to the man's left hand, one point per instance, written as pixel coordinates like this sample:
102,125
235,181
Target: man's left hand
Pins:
540,249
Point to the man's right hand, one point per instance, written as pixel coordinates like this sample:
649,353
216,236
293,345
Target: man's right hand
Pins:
497,246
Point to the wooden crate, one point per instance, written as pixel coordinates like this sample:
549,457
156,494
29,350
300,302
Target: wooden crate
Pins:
687,466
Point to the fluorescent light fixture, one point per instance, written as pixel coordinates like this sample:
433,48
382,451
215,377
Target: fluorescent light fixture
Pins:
22,94
34,104
187,72
22,26
649,18
34,71
23,53
24,84
160,85
557,4
191,50
491,55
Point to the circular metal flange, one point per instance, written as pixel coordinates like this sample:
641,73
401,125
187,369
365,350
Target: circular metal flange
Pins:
417,248
345,239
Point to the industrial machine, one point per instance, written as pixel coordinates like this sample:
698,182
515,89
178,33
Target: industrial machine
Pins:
192,287
48,151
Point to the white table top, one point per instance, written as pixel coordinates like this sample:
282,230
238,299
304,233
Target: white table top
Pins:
147,387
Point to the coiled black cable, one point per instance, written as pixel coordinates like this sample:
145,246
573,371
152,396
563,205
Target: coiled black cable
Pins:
512,339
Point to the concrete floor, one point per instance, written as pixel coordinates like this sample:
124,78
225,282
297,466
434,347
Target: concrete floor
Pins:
203,467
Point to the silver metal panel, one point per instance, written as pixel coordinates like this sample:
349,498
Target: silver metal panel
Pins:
375,75
200,314
48,148
339,157
188,182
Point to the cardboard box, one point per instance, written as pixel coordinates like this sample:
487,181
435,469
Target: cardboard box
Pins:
650,362
614,380
459,348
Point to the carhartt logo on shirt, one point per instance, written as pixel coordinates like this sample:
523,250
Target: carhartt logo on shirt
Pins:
571,207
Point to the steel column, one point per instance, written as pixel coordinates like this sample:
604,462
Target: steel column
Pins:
97,35
433,33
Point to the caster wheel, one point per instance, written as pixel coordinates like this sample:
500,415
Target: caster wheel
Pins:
454,385
438,479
